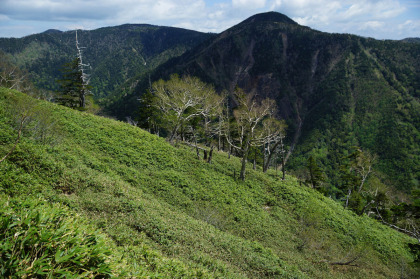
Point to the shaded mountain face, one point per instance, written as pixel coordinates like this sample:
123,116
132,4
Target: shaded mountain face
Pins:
336,91
115,54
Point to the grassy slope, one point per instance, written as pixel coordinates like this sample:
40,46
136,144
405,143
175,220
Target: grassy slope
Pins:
172,215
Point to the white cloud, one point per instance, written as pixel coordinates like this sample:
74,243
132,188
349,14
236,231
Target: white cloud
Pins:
372,25
100,9
4,17
248,4
362,17
373,9
411,28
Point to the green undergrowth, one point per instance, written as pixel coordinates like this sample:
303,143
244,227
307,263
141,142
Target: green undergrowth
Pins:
43,240
166,214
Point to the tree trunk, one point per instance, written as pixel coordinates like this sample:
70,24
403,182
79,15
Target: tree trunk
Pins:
210,155
244,160
282,167
254,167
196,147
283,162
348,197
223,145
267,162
174,131
173,134
82,98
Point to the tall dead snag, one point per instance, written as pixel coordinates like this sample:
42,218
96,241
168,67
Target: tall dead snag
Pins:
85,77
75,82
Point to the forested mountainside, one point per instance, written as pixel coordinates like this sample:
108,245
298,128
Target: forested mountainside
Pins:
83,196
336,91
411,40
116,55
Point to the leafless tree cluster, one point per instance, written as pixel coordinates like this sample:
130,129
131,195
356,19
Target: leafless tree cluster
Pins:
12,77
193,110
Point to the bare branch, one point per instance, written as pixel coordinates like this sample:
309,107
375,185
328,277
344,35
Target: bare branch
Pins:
414,232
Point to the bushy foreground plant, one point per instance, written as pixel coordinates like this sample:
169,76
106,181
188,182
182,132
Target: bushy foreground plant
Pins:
39,240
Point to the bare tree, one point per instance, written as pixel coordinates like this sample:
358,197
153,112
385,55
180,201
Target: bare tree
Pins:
85,77
131,121
182,99
362,165
411,228
13,77
249,117
274,131
360,169
10,78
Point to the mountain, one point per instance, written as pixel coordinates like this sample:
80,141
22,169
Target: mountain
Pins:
336,91
137,207
115,54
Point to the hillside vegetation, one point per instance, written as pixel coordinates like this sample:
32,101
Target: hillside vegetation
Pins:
162,213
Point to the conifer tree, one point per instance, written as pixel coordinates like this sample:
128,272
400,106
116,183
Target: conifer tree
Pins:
75,83
72,87
315,174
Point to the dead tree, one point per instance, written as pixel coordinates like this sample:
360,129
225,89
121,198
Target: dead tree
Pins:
85,77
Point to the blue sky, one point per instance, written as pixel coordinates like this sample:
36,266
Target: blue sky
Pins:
380,19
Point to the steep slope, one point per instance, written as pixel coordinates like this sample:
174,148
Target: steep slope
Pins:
172,215
115,54
335,90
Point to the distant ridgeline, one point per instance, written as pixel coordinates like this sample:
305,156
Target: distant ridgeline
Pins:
116,55
337,92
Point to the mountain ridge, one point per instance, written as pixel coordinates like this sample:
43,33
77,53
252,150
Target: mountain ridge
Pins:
137,47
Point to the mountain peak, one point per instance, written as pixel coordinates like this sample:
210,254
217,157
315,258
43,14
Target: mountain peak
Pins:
52,31
271,17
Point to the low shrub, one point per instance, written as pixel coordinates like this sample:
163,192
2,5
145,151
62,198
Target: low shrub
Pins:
39,240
